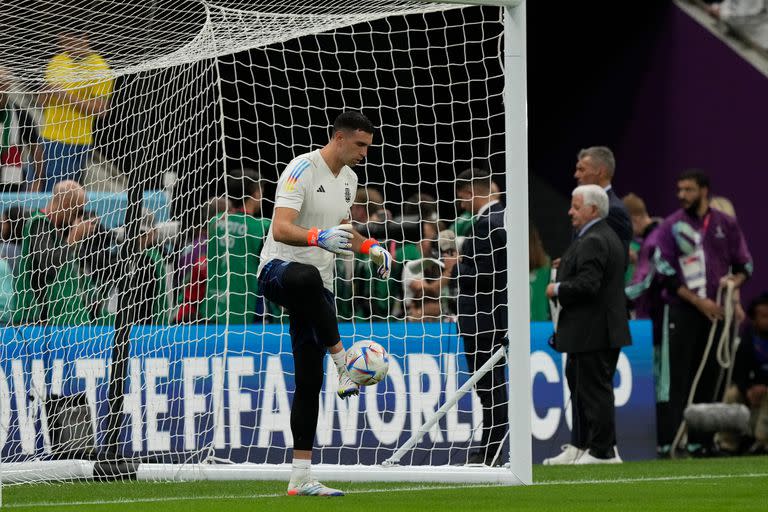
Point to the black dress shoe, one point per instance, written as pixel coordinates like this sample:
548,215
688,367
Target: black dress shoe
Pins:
757,448
479,457
476,457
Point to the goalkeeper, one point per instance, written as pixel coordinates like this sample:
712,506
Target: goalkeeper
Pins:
309,227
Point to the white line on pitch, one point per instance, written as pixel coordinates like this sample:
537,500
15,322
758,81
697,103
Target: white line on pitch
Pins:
369,491
651,479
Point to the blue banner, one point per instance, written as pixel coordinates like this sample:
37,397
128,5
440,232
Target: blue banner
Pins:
196,387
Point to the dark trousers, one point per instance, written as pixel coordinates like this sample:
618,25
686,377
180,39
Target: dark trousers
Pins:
688,333
492,391
312,316
590,380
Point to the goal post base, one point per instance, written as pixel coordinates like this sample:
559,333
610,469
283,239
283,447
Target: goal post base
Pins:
36,471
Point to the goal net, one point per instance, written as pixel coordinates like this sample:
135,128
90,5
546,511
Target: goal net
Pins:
135,341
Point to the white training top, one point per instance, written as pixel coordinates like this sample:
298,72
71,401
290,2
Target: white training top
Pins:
323,200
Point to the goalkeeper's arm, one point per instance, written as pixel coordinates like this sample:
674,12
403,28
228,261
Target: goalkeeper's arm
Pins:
285,230
370,246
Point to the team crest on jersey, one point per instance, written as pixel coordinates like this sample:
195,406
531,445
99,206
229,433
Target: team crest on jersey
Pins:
347,193
719,233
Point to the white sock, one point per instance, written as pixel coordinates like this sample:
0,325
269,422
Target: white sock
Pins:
340,359
299,472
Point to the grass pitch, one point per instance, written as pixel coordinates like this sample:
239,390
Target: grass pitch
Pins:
738,484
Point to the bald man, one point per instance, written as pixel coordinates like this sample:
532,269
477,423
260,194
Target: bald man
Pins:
48,289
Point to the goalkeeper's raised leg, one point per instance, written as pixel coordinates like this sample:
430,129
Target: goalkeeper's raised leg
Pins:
310,226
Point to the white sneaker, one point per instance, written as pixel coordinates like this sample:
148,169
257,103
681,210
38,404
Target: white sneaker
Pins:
588,458
312,488
346,386
569,455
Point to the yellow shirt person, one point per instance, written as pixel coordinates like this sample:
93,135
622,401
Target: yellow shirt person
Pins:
83,79
79,84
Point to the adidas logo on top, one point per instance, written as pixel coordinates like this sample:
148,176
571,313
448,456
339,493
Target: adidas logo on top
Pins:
321,189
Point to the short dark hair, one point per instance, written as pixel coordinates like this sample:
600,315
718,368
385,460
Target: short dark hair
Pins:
241,185
473,177
352,120
760,300
696,175
420,205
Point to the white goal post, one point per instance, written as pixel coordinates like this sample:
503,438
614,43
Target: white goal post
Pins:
174,397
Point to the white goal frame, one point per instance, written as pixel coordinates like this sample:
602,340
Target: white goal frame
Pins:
519,469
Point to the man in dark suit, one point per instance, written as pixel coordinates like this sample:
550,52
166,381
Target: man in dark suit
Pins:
591,327
596,166
482,304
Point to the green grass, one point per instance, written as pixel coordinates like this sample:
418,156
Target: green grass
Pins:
739,484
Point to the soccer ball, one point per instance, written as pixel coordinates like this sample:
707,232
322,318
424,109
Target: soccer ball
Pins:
367,362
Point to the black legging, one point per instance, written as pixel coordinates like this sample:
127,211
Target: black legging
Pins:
308,362
299,288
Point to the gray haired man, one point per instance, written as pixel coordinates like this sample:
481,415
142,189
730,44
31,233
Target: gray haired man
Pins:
596,165
591,328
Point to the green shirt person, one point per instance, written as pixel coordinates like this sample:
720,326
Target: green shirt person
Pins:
361,295
235,239
51,288
152,304
540,268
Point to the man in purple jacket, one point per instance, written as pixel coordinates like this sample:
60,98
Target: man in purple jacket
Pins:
700,250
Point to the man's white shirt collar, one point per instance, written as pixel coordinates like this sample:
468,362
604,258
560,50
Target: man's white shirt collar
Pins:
484,208
589,225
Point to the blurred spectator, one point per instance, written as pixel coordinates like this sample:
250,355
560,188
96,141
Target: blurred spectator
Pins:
700,250
235,239
419,208
482,305
596,166
728,9
420,263
642,223
191,271
11,226
7,294
644,291
78,89
100,267
429,288
540,268
642,226
19,140
11,234
449,256
463,223
725,205
150,303
421,289
368,206
48,289
194,236
420,205
360,294
750,380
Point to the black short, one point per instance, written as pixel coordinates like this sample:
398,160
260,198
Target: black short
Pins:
303,328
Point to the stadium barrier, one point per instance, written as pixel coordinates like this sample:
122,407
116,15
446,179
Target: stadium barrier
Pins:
110,207
183,395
